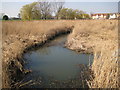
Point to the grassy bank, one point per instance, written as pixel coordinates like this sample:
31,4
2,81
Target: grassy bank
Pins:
20,36
99,37
88,36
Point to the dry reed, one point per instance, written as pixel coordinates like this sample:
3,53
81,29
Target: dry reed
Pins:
97,36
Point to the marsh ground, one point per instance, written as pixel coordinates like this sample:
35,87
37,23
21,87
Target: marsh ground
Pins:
99,37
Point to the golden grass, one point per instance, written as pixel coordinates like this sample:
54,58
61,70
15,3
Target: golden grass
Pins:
105,66
30,27
102,37
97,36
19,35
0,54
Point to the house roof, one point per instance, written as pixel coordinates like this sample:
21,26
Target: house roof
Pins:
104,14
99,14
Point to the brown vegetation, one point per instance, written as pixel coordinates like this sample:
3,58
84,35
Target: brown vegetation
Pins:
99,37
17,37
89,36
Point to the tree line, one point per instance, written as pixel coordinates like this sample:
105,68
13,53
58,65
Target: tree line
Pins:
50,10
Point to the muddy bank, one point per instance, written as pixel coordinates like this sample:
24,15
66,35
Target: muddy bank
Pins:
14,48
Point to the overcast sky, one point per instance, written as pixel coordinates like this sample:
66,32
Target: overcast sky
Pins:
12,7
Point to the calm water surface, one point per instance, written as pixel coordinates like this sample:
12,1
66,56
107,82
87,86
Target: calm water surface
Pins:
56,62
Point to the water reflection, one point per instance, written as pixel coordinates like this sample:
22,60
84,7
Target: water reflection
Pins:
54,62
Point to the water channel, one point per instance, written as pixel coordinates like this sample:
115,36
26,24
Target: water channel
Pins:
53,65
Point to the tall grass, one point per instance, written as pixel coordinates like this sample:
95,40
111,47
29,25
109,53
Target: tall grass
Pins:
105,66
97,36
30,27
19,35
102,37
0,54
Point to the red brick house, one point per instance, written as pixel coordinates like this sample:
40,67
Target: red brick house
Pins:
105,16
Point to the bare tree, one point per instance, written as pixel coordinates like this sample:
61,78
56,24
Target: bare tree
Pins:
45,8
57,6
48,8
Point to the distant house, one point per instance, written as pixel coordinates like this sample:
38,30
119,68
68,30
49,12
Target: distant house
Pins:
105,16
114,16
3,16
99,16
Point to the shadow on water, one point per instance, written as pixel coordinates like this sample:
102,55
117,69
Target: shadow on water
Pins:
54,66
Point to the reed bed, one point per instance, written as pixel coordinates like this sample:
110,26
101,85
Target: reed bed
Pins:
19,35
99,37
